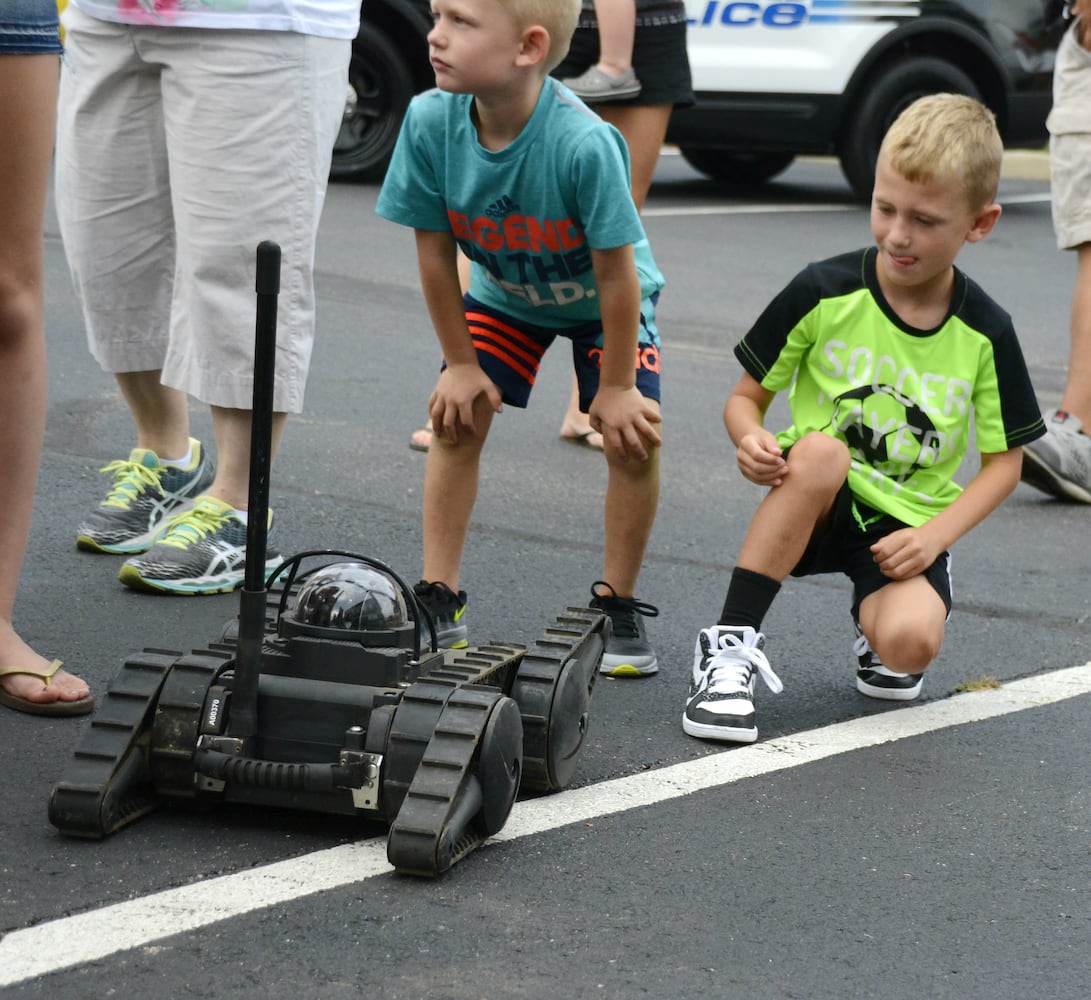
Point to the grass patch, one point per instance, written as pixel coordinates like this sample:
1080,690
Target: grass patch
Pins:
982,683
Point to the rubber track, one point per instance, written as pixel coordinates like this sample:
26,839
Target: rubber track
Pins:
178,718
419,841
493,664
534,687
109,782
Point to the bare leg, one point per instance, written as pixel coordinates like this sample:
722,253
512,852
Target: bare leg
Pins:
632,498
450,489
786,519
617,29
421,440
161,414
233,429
1077,393
28,96
643,127
904,624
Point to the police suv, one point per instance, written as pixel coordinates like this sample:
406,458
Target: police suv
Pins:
773,79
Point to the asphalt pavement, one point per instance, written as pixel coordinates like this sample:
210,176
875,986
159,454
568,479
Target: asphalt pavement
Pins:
861,849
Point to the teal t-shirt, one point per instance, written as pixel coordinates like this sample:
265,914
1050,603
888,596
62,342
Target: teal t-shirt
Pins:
528,215
906,401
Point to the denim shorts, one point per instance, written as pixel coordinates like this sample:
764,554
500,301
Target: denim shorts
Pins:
29,27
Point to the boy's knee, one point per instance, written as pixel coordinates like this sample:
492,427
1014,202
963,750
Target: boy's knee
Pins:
907,650
820,458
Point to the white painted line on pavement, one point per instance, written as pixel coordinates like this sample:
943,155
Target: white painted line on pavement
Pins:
745,210
681,211
97,934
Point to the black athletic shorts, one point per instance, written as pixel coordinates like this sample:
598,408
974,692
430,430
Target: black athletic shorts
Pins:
845,547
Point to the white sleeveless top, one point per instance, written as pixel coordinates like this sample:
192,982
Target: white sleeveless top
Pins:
327,18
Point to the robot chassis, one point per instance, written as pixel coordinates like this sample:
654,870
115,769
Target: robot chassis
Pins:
324,697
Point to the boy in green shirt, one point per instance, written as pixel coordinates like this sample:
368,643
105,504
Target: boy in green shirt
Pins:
890,355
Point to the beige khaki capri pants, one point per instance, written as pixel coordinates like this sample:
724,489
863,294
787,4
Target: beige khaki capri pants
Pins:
178,151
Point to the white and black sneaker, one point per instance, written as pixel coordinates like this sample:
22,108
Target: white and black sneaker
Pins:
876,681
720,705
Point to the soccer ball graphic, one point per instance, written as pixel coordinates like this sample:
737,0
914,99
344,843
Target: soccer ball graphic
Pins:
885,428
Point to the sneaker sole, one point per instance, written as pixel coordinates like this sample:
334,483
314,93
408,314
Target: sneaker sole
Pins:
130,576
86,543
456,638
629,669
889,694
725,734
1041,476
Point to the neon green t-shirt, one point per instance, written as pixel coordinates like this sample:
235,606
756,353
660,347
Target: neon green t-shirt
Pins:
906,401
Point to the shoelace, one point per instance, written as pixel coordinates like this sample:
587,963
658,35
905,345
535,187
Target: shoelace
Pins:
731,666
130,478
860,645
622,610
190,526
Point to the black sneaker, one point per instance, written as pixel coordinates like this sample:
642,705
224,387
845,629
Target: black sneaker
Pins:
447,610
876,681
202,550
720,705
145,492
628,652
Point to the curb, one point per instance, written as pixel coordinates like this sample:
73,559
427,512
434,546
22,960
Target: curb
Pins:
1026,165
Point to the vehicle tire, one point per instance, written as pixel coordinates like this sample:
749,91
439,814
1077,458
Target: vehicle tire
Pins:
734,167
380,86
884,97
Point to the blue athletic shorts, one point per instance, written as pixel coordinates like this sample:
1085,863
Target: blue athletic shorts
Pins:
29,27
845,547
510,351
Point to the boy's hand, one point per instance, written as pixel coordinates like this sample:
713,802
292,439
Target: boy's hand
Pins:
626,421
451,405
760,458
906,553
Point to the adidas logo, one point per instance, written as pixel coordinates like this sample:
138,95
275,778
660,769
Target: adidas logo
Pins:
501,207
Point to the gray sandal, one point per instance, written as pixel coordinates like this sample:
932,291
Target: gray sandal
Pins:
595,85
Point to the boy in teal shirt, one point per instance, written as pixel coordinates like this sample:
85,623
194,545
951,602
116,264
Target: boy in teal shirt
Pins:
891,355
507,164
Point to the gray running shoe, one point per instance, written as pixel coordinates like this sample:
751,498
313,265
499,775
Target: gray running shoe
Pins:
144,493
1060,462
628,652
876,680
202,550
446,609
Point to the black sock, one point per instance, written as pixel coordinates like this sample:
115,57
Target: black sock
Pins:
749,597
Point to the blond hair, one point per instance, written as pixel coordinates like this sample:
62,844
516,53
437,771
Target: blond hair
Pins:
947,137
558,17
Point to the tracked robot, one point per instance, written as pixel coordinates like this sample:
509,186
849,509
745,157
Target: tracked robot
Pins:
328,694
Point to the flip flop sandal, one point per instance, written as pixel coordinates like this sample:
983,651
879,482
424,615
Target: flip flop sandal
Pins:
56,708
583,440
421,440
